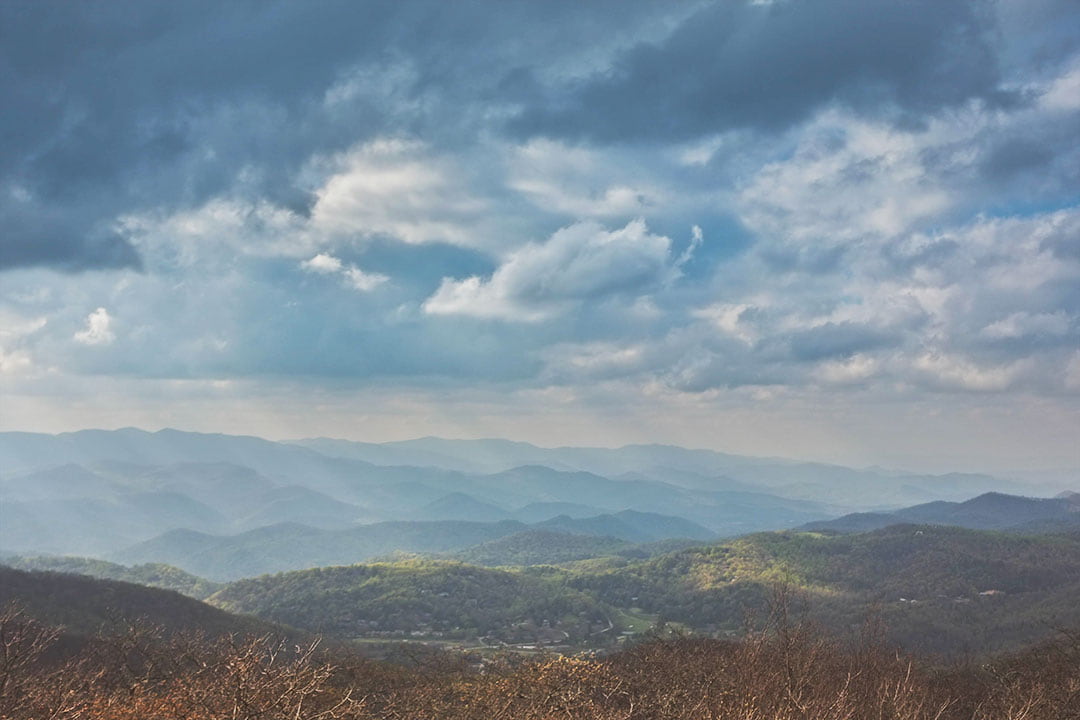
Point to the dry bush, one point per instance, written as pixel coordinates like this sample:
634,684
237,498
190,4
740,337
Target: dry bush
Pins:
144,675
786,669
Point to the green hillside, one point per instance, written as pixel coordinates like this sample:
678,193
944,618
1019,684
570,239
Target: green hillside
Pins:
939,589
927,581
290,546
87,606
157,575
541,547
435,599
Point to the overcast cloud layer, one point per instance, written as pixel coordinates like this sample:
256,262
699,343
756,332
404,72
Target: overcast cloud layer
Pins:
840,229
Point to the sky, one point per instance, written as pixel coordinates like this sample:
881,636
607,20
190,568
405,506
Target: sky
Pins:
839,230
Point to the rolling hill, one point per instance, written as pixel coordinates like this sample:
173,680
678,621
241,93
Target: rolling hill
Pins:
291,546
630,525
989,511
927,581
284,547
156,575
435,599
86,606
541,547
938,589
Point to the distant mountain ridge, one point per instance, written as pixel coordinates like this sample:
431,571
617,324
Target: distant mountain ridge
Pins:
98,492
704,469
291,546
989,511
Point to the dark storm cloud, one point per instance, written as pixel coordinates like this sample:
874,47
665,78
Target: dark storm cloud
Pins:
34,236
122,106
769,66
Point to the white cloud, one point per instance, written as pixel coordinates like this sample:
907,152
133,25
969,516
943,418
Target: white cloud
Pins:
14,362
1063,94
847,181
580,262
727,317
98,329
580,182
216,232
363,281
389,187
325,264
594,359
958,373
322,263
14,332
1023,324
697,237
857,368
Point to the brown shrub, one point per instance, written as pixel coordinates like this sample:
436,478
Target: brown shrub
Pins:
787,669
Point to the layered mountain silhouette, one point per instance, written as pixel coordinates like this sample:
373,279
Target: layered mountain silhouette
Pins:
225,505
989,511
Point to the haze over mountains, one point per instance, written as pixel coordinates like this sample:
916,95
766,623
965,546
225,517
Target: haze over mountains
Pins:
990,511
232,506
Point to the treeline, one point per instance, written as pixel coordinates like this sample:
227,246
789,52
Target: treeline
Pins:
788,670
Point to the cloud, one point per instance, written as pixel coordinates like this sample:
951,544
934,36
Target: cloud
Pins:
580,182
838,340
771,65
950,371
37,233
1023,324
887,191
364,281
322,263
388,187
356,278
98,330
856,369
578,263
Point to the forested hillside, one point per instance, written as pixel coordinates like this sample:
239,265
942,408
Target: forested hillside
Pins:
85,606
941,589
938,589
433,600
156,575
542,547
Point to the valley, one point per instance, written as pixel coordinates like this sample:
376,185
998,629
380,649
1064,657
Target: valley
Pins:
474,545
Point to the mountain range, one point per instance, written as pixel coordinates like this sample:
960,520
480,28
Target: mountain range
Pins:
989,511
226,506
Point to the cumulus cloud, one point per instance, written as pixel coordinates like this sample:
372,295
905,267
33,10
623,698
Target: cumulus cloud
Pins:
364,281
322,263
214,103
887,191
578,263
581,182
354,277
388,187
98,330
